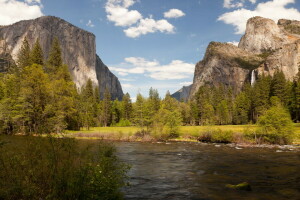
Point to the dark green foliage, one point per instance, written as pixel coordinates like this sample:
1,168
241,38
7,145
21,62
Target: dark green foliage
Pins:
87,105
126,112
23,59
106,109
242,107
37,55
279,87
276,125
55,57
49,168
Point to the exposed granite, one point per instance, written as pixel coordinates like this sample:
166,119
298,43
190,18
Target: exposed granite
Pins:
182,94
265,48
78,47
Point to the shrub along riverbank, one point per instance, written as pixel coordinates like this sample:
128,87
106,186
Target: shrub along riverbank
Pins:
50,168
226,134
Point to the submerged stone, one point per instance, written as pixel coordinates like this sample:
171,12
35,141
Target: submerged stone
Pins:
242,186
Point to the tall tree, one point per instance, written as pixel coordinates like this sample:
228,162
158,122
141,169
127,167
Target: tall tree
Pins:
23,57
126,107
35,93
279,86
37,55
106,108
55,57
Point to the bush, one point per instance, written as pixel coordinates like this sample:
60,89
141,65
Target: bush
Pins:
275,126
166,124
123,123
48,168
216,136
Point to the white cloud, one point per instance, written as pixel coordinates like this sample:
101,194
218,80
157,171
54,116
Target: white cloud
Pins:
33,1
174,13
177,69
127,79
117,12
90,24
236,3
149,25
127,85
275,9
235,43
187,83
12,11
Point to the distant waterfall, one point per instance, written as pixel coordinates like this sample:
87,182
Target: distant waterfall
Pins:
253,78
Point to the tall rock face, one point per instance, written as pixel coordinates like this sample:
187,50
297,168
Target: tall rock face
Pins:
182,94
107,80
5,58
78,47
224,64
265,48
262,35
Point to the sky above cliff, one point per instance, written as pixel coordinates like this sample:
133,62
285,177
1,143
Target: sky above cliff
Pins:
153,43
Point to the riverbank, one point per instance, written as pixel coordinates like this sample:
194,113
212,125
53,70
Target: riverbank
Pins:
234,134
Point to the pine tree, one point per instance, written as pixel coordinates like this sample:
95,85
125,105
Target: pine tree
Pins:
55,57
140,111
23,58
106,108
279,86
36,55
87,105
35,93
261,96
126,107
242,107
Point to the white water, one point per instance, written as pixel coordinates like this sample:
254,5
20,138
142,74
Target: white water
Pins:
253,79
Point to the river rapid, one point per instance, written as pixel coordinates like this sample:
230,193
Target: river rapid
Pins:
201,171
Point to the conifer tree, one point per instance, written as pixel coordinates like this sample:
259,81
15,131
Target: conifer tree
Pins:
37,55
279,87
126,107
106,108
23,58
55,57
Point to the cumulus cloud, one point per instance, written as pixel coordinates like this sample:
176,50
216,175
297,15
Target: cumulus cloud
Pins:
90,24
177,69
275,9
149,25
127,85
136,25
187,83
118,12
12,11
33,1
236,3
174,13
235,43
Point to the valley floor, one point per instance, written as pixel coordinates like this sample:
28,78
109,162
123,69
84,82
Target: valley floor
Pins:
186,133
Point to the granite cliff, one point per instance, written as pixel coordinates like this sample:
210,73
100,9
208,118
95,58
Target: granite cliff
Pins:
78,50
265,48
182,94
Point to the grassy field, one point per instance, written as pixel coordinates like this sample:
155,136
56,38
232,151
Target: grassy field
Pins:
125,133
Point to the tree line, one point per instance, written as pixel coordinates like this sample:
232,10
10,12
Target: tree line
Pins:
39,96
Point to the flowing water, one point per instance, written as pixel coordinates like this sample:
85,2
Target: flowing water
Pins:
201,171
253,78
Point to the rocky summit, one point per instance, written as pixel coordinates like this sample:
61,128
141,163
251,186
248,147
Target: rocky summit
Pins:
78,50
265,48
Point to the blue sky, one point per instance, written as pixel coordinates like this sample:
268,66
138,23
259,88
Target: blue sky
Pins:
154,43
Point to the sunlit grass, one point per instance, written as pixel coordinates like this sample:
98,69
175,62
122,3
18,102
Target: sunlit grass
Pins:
185,132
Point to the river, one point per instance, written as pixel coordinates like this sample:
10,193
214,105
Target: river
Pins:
201,171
